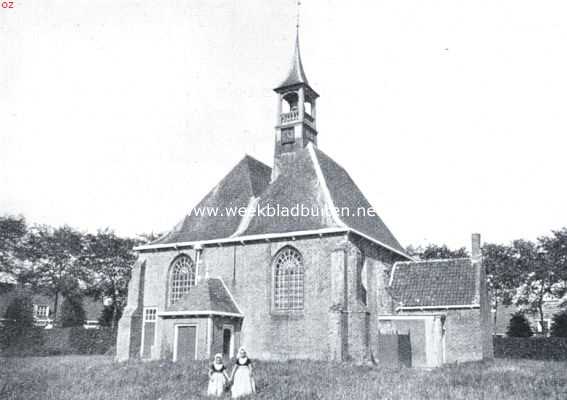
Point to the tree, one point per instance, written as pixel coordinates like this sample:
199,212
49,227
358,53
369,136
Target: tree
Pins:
542,275
559,324
433,251
109,260
502,273
109,315
20,310
56,260
19,331
519,326
12,233
72,312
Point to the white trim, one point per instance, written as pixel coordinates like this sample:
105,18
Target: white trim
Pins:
324,187
245,220
201,313
451,307
176,337
392,275
231,296
231,346
240,239
383,245
267,236
434,260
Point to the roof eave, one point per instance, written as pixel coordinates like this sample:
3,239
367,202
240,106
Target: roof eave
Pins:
240,239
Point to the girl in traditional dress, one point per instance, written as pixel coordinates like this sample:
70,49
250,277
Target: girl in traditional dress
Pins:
217,377
242,380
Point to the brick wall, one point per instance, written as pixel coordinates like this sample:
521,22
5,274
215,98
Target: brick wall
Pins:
463,336
325,330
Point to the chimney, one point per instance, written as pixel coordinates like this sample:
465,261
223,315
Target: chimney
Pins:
476,253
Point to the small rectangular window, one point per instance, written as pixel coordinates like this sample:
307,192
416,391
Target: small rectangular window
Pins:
41,311
150,314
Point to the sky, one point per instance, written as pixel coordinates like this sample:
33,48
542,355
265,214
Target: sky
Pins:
450,115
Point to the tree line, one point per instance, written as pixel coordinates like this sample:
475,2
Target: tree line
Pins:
70,264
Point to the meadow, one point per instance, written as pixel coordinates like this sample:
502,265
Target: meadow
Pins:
98,377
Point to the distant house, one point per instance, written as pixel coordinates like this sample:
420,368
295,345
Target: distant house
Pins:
44,303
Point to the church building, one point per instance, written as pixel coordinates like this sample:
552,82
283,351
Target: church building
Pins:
309,270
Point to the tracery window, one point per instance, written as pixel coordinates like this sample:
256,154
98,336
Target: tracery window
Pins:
289,280
182,277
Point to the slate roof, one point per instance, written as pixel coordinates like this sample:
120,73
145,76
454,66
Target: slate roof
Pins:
246,180
210,295
431,283
313,179
296,74
345,194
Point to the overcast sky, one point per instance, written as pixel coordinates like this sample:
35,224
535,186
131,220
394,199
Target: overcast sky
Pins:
451,116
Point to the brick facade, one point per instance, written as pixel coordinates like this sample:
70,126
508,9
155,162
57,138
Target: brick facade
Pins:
334,325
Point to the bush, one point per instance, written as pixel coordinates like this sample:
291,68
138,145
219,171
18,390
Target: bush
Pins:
535,348
559,324
72,312
20,310
19,335
519,326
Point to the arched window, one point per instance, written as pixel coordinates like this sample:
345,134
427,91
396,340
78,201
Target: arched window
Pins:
182,277
289,276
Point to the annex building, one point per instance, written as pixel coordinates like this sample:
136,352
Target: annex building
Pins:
327,286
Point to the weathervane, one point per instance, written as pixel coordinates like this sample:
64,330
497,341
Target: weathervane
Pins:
297,17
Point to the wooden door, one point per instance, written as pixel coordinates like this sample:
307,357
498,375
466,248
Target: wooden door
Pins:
186,343
149,337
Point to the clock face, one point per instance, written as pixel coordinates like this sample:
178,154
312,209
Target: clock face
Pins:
288,135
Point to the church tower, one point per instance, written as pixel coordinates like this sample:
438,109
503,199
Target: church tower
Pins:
296,124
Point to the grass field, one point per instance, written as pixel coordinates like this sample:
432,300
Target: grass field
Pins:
98,377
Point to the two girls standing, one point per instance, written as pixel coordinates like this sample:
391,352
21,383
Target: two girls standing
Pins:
241,379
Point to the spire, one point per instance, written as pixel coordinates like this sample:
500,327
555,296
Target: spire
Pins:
296,73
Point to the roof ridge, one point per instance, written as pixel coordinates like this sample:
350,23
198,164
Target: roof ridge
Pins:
433,260
325,188
251,158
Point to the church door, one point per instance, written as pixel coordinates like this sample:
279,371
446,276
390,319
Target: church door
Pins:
186,343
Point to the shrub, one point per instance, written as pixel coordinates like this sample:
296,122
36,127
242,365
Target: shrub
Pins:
72,312
19,335
559,324
20,311
535,348
91,341
519,326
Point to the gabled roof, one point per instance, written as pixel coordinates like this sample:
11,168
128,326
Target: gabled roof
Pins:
208,297
346,195
297,184
245,181
312,179
436,283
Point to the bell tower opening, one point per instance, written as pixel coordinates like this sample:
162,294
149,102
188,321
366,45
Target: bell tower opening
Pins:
296,114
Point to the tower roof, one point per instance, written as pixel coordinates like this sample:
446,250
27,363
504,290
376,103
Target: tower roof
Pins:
296,74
